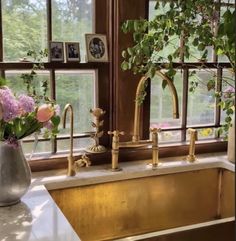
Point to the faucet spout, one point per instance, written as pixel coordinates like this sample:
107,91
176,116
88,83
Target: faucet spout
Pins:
137,111
71,171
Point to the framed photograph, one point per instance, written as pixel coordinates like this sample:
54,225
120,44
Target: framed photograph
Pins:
56,52
96,47
72,51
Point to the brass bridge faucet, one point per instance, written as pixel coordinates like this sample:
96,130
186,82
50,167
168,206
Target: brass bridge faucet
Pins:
193,138
116,145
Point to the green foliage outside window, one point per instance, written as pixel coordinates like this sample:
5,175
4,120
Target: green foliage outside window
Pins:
191,21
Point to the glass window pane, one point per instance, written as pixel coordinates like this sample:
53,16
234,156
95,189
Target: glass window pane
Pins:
201,102
78,89
169,136
41,147
24,27
161,111
206,133
228,89
63,145
71,20
15,82
224,58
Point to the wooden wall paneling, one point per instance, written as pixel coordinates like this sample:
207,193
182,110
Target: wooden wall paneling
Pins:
124,82
103,25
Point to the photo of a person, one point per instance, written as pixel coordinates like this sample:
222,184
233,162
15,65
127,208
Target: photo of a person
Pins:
97,48
56,51
72,51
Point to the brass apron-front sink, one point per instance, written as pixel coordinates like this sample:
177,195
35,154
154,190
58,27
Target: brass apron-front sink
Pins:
117,209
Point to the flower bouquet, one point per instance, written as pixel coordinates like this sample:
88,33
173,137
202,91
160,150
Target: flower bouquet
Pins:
21,116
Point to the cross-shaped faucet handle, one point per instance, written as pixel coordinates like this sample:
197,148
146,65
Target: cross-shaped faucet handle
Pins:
155,130
116,133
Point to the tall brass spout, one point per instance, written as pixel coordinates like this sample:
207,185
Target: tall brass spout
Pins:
193,137
71,170
136,135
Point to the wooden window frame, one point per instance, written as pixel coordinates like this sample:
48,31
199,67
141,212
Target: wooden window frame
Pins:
113,85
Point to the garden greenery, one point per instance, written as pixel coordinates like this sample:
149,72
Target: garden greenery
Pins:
200,24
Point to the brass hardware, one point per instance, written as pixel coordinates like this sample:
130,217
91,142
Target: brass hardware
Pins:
117,209
155,148
137,111
136,142
97,124
83,161
193,138
115,149
141,143
70,171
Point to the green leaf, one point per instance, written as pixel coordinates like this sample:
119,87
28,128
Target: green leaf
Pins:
124,65
55,120
124,54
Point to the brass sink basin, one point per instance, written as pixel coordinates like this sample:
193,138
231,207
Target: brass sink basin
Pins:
119,209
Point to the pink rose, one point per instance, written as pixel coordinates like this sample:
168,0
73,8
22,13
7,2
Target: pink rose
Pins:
44,113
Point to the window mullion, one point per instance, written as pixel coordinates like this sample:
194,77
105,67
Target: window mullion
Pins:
184,103
218,89
216,26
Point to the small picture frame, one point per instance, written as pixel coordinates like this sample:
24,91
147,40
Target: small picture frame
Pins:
72,51
56,53
96,48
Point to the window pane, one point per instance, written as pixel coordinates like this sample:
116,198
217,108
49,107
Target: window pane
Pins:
161,111
71,20
24,27
41,147
17,85
228,88
78,89
63,145
169,136
206,133
201,102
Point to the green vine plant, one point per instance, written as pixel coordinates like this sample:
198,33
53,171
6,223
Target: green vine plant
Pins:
39,94
198,24
29,78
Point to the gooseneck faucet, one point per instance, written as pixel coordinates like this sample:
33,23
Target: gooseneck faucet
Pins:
137,110
71,170
193,138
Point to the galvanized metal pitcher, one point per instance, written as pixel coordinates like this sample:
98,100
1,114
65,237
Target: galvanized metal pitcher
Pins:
15,175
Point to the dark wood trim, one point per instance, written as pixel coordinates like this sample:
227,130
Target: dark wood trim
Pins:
103,25
218,89
184,104
49,21
72,65
51,65
125,82
126,155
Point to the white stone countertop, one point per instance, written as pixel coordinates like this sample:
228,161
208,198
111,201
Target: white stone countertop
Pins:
37,217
